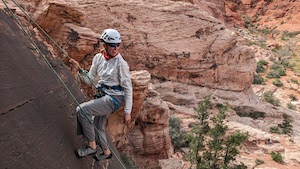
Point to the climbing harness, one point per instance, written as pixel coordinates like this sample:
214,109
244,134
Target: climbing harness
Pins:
102,93
53,70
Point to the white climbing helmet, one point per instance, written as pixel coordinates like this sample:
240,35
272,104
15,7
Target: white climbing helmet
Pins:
111,36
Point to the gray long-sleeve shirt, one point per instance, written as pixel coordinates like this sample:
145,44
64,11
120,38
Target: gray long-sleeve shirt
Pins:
112,72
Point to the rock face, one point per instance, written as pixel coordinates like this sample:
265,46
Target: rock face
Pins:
203,53
37,115
270,14
63,22
150,136
213,8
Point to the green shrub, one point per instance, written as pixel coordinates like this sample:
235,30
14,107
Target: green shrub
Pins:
272,59
253,115
269,97
263,62
295,81
284,128
263,45
295,61
276,66
177,134
274,129
276,157
277,83
287,64
259,162
250,43
287,35
273,74
281,71
264,31
291,106
260,68
277,71
258,79
283,51
293,97
248,23
127,161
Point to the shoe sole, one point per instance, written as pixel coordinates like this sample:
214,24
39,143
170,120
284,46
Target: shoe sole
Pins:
101,157
78,156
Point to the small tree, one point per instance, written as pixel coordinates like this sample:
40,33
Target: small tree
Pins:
177,134
197,136
211,146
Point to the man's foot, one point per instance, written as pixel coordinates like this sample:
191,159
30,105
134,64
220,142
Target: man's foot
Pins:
85,151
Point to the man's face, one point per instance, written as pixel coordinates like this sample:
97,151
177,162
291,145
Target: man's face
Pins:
112,49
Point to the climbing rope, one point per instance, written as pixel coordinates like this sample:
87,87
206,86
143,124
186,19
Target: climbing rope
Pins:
53,70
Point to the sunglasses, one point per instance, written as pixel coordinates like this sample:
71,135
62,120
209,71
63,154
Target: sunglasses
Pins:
113,44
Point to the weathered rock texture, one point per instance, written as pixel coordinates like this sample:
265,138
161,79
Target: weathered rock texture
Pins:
215,8
37,117
200,51
149,138
63,22
270,14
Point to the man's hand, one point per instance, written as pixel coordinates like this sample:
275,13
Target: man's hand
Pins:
127,118
75,64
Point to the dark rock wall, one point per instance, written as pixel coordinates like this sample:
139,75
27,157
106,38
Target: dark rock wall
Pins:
37,115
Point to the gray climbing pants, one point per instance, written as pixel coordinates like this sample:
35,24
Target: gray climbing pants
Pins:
100,108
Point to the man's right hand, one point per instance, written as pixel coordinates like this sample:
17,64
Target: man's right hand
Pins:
127,118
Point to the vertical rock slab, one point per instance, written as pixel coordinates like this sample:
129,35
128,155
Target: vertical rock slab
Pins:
37,117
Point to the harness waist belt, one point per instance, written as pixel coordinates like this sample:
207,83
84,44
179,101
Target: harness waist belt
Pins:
112,87
102,93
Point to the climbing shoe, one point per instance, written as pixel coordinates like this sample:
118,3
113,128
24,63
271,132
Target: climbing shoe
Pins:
85,151
102,156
